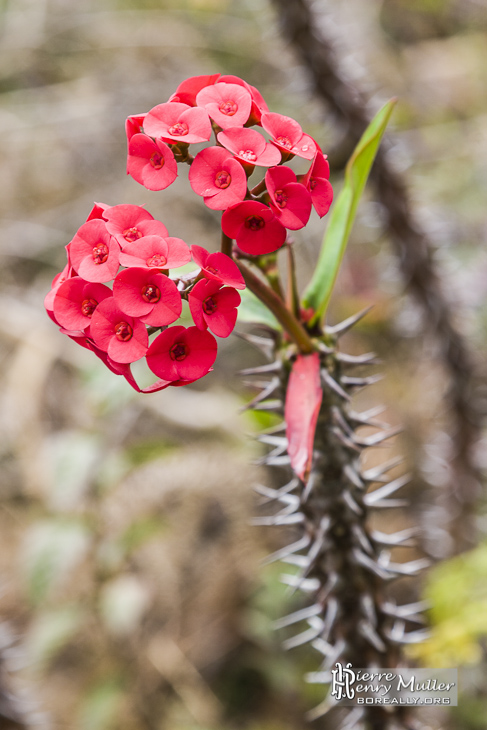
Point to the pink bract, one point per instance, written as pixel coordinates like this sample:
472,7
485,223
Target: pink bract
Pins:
94,253
122,337
189,88
129,223
318,184
258,104
134,125
254,226
56,283
218,177
250,147
147,294
178,122
288,136
151,163
156,252
218,266
76,301
290,200
229,105
181,353
214,306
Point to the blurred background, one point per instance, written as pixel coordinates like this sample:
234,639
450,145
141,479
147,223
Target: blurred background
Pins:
131,591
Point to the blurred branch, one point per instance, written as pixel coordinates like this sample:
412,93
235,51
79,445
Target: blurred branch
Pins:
415,255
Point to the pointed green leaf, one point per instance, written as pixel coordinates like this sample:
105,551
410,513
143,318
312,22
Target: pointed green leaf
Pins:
318,293
253,310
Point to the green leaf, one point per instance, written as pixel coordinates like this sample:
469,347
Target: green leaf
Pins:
318,293
253,310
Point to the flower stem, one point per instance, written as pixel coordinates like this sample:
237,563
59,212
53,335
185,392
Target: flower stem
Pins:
291,325
226,245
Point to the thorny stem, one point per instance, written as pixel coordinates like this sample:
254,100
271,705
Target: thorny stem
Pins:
291,325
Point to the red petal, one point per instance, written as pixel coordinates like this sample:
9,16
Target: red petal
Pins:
303,401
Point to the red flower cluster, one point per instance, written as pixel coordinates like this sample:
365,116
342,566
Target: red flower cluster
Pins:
115,292
228,106
126,246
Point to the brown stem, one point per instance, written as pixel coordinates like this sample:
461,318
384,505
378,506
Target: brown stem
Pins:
291,325
226,244
292,286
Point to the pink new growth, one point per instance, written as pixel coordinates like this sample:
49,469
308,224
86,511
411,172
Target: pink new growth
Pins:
176,122
218,177
290,200
181,353
151,163
302,407
288,136
156,252
254,226
218,267
148,295
214,307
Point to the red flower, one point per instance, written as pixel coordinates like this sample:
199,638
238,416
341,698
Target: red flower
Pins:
288,136
93,252
214,307
218,266
56,283
98,211
290,200
189,88
318,184
218,177
258,104
148,295
250,147
133,125
128,223
254,226
151,163
181,353
121,336
228,105
178,122
75,302
156,252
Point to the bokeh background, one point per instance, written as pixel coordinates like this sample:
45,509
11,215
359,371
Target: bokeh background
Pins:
131,592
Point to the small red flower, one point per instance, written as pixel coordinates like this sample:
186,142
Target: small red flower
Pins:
189,88
229,105
151,163
318,184
148,295
250,147
254,227
218,266
134,125
290,200
56,283
98,211
258,104
121,336
214,306
288,136
75,302
129,223
94,253
178,122
218,177
181,353
156,252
